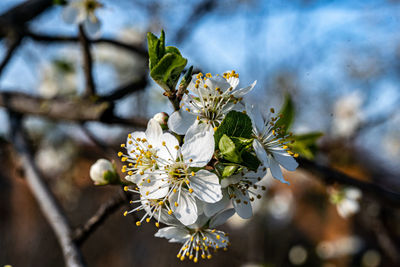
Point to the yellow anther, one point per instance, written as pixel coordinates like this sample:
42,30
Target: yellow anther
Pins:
130,173
196,85
122,145
130,142
198,118
123,159
176,204
182,258
208,75
129,136
131,202
195,260
176,147
147,193
179,255
160,203
148,220
225,249
213,231
125,213
272,110
190,190
209,256
149,180
157,224
215,128
163,143
285,147
203,256
120,154
197,248
218,237
138,223
296,155
150,146
126,188
193,173
188,109
174,190
169,212
191,257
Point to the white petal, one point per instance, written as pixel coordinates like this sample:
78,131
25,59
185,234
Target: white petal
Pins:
221,218
199,149
92,27
200,222
287,161
153,132
212,208
255,177
243,91
198,128
261,153
186,212
70,14
242,204
155,189
169,151
353,193
135,178
180,121
206,186
234,179
256,118
217,82
276,171
347,208
177,234
132,146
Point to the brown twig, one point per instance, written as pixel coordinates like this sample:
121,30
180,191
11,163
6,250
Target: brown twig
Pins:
46,200
90,89
126,89
330,176
76,110
105,210
70,39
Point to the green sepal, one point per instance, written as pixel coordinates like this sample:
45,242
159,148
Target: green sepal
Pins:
229,170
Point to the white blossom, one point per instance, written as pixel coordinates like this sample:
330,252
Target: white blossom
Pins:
198,238
346,200
269,144
209,100
83,12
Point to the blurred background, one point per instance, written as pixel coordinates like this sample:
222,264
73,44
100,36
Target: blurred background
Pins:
338,61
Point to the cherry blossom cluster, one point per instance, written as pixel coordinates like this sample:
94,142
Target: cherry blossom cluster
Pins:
193,170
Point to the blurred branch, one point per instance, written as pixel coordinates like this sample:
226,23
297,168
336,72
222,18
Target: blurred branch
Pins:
65,109
201,9
126,89
13,20
105,210
10,52
330,176
70,39
90,89
46,200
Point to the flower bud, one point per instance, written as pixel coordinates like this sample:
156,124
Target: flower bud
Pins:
162,119
103,172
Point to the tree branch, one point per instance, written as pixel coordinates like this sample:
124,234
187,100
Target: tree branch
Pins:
90,89
330,176
126,89
77,110
70,39
10,52
105,210
46,200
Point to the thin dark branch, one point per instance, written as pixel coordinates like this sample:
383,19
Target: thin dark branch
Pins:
46,200
330,176
105,210
10,52
70,39
126,89
90,89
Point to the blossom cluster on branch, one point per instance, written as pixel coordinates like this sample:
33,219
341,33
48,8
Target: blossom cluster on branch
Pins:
194,169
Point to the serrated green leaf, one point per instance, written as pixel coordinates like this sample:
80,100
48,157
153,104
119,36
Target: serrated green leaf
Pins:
229,170
288,113
152,44
228,149
235,124
166,72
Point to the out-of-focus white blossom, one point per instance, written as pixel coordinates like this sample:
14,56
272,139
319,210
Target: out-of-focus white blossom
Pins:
346,200
347,114
83,12
162,119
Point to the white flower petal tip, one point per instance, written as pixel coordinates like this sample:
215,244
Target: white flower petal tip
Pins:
206,186
180,121
221,218
184,207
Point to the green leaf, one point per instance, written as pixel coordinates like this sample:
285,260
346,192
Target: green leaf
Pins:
250,160
228,149
306,144
288,113
152,44
166,72
235,124
242,143
229,170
